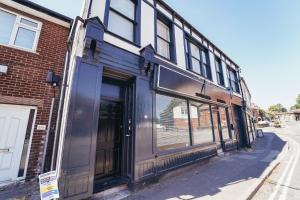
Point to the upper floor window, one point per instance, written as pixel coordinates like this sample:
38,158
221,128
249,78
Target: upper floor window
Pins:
18,31
122,19
198,59
233,80
164,38
219,70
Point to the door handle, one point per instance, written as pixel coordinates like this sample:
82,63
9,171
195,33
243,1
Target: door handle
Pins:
4,150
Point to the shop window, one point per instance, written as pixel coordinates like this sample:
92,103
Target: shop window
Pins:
219,70
224,123
233,80
198,59
201,124
122,19
250,128
18,31
172,126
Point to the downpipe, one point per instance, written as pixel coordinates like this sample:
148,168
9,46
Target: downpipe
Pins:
63,90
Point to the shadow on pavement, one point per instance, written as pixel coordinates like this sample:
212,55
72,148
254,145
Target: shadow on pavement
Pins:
210,179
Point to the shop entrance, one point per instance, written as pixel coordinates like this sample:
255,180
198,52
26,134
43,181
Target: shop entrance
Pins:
113,139
240,122
217,129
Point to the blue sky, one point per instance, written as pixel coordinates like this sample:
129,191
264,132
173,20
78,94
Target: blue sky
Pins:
263,37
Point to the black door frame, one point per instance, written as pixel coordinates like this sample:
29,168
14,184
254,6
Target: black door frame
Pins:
241,126
216,111
127,152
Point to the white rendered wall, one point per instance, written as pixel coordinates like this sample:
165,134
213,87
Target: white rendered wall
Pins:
180,52
98,9
213,68
147,25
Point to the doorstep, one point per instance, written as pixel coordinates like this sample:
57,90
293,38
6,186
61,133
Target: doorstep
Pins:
115,193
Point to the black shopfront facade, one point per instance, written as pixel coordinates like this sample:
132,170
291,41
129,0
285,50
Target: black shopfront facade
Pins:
134,117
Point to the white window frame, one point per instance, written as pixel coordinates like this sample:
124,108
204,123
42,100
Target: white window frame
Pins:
165,40
18,25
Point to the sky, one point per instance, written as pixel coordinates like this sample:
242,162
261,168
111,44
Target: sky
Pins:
262,37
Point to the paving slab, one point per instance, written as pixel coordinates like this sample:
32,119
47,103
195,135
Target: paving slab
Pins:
235,175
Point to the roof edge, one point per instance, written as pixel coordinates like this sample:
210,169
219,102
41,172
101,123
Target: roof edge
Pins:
45,10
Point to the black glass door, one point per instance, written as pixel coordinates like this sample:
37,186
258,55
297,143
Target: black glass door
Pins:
217,128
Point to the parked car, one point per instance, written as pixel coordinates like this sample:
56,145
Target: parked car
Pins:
262,124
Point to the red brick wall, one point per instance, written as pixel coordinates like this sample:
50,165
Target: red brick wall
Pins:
26,80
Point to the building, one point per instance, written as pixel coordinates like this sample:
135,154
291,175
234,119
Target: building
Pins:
146,93
250,113
32,52
296,114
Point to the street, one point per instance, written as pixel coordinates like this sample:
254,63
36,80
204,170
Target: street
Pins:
284,182
231,176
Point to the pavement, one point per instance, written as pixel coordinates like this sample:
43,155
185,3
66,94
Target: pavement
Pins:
236,175
284,182
20,191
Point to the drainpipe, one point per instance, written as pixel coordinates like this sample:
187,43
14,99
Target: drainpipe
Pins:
47,136
63,90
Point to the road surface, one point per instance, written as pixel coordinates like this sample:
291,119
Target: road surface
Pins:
284,182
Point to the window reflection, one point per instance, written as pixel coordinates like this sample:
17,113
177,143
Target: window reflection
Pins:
201,123
172,124
224,123
250,129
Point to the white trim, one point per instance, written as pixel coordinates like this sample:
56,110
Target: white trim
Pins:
18,25
121,44
35,13
30,140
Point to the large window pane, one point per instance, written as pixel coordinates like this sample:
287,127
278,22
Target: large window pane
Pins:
216,125
195,51
224,123
29,23
250,128
126,7
163,48
25,38
201,123
220,75
7,22
163,30
204,57
120,26
196,65
172,124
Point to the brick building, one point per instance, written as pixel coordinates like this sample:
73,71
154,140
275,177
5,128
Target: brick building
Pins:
33,42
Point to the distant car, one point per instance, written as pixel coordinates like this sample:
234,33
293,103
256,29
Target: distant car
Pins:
277,124
262,124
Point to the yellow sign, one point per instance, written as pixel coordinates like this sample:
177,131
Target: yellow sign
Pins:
48,186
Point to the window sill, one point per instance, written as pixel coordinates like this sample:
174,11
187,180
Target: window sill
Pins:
123,39
20,48
166,59
200,75
185,149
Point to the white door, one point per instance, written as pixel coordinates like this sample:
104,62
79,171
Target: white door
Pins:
13,125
